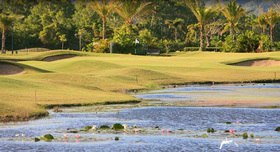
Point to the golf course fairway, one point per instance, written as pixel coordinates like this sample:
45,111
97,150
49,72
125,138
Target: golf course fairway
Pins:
89,78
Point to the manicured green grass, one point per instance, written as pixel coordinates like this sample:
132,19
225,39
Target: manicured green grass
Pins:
98,78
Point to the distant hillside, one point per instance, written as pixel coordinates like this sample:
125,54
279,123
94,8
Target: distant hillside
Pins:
250,4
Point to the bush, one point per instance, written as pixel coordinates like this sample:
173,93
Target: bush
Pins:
125,38
147,38
102,46
229,45
248,42
216,41
117,126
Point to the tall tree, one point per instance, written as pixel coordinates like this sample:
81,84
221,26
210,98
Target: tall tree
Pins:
272,18
203,15
132,10
103,8
232,12
262,21
6,22
176,25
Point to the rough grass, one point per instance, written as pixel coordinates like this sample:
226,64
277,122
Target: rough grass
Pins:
103,78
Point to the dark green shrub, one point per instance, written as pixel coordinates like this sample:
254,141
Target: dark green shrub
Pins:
117,126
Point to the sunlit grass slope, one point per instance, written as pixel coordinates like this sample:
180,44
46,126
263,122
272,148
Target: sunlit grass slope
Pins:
98,78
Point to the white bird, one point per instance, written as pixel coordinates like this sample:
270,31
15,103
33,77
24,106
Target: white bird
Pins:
93,128
227,142
125,126
17,135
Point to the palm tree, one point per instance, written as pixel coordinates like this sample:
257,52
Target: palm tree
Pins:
232,12
203,15
103,8
132,10
6,22
272,18
176,25
262,21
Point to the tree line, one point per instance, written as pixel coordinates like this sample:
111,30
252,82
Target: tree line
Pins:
168,25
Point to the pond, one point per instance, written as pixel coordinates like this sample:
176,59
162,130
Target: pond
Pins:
185,126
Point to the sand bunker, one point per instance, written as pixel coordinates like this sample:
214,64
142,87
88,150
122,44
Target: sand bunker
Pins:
260,63
8,69
58,57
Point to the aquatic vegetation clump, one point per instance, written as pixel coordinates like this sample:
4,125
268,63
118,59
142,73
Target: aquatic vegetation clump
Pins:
72,131
226,131
277,129
252,135
117,138
104,127
117,126
228,123
245,135
47,138
88,128
204,135
212,130
37,139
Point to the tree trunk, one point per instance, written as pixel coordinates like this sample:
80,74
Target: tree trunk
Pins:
263,30
271,34
201,37
176,34
3,39
231,31
62,45
104,28
208,41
